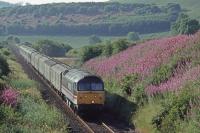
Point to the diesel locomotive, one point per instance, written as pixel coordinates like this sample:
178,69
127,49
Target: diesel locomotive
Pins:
80,89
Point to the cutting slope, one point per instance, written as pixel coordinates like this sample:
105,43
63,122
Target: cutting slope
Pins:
144,59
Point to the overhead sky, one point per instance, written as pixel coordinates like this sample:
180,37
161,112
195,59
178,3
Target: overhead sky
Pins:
50,1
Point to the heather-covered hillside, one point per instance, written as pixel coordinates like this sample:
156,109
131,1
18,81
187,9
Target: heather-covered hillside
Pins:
161,76
87,19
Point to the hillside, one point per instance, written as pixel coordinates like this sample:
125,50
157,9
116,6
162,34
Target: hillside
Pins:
161,77
87,19
191,6
5,4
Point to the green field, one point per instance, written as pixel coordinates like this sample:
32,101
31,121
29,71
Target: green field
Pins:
191,6
80,41
74,41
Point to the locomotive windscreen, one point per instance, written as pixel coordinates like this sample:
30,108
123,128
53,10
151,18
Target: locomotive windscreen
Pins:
91,84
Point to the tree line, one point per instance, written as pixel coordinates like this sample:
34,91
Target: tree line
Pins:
158,19
142,27
89,8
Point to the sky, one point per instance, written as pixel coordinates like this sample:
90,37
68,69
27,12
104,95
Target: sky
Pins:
50,1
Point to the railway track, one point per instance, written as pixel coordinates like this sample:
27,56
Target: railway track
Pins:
77,124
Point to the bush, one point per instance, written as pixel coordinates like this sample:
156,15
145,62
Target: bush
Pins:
128,82
89,52
175,109
132,36
6,52
119,45
4,67
185,25
52,48
139,94
9,117
161,74
9,97
107,50
94,39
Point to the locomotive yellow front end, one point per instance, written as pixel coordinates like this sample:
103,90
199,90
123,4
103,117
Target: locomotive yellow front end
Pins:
91,94
91,97
83,89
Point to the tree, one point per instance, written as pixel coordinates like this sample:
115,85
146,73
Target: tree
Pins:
17,40
107,51
52,48
94,39
185,25
89,52
86,54
119,45
132,36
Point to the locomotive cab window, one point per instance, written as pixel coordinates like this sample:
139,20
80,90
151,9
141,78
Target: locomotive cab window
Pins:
90,84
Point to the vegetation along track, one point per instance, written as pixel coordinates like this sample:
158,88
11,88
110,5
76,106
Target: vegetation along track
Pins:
77,124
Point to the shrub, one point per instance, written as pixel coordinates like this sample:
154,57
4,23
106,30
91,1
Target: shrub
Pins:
128,82
139,94
6,52
132,36
94,39
9,97
108,50
185,25
4,67
52,48
175,109
161,74
119,45
7,115
89,52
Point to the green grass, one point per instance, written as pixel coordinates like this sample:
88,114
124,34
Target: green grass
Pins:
192,6
32,114
144,115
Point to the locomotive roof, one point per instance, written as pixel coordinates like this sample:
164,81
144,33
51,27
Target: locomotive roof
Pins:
76,75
